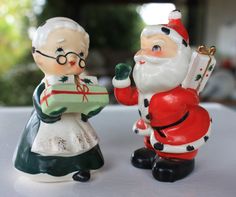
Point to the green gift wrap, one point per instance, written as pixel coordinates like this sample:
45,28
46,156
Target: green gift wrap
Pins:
82,98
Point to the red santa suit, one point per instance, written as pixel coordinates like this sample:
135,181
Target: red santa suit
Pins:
180,126
173,123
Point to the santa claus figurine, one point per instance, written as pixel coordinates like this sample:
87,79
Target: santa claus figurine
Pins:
173,124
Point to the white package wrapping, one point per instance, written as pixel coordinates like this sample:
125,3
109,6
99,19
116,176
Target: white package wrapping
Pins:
201,65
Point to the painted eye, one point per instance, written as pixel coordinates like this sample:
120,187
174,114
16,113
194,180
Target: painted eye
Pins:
60,51
81,54
156,48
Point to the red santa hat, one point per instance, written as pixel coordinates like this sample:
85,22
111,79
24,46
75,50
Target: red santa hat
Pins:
175,29
176,24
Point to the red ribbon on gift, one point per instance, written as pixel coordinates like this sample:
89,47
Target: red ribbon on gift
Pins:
84,89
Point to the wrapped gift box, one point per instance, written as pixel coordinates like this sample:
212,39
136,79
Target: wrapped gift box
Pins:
201,66
83,98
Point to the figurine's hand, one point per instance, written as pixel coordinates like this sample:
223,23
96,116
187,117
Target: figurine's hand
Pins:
122,71
142,128
58,112
91,114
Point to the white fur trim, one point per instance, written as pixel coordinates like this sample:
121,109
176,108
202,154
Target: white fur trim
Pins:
142,132
175,15
156,29
183,147
121,83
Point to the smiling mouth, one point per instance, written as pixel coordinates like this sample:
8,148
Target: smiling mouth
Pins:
141,62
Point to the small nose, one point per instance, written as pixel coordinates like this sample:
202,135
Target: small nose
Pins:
139,52
142,52
72,59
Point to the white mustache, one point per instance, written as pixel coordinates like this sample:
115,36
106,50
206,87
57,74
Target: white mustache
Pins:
138,58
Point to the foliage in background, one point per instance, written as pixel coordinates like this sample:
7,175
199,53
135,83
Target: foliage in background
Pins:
114,26
18,85
18,76
13,32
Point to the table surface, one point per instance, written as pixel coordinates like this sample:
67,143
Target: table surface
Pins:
214,175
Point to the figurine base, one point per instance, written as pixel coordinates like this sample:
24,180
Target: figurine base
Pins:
170,170
143,158
46,178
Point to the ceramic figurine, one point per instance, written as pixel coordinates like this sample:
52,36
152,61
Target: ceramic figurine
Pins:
58,143
172,122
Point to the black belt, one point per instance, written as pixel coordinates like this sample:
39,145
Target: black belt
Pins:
158,129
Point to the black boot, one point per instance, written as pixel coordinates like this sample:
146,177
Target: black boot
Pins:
143,158
170,170
81,176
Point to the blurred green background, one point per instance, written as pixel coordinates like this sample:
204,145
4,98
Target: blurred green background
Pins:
114,28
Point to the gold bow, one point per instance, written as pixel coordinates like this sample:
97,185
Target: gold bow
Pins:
206,51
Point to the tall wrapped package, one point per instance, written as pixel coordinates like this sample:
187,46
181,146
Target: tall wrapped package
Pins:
201,66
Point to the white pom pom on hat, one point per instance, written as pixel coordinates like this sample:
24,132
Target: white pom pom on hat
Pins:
175,14
177,29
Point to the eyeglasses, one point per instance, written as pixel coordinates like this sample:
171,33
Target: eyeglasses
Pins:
62,59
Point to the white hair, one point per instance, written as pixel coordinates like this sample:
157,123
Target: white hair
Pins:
51,24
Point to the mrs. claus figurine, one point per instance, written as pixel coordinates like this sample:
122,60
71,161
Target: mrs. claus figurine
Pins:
173,124
58,143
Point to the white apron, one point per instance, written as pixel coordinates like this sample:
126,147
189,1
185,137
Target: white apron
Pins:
67,137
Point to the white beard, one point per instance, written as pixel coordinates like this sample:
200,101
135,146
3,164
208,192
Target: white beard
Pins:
160,74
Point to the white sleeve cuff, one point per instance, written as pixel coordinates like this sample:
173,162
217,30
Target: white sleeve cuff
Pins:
142,132
124,83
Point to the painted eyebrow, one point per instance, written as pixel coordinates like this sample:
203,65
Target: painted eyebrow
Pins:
159,41
61,40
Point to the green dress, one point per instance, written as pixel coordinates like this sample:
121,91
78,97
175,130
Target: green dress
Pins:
34,163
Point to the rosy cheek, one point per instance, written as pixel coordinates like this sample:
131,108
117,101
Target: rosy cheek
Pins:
156,53
58,69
